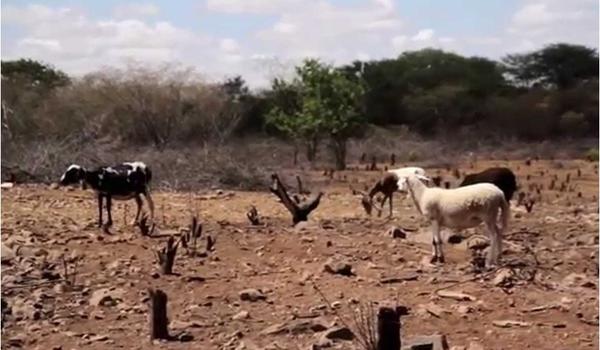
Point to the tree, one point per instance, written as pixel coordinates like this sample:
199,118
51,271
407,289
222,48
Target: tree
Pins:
34,72
25,86
556,65
329,103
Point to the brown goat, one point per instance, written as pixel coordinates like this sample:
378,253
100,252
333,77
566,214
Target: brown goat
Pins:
387,185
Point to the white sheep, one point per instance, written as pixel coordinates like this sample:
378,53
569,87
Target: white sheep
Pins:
460,208
404,172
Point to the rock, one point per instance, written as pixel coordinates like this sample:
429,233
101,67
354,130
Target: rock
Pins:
455,238
323,343
477,243
510,323
7,254
338,267
303,326
278,328
396,232
475,346
26,310
106,297
577,279
99,337
185,337
410,276
295,327
433,309
455,295
242,315
433,342
338,333
458,347
252,295
464,309
503,277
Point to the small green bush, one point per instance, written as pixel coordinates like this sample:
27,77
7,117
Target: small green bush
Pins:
592,155
413,156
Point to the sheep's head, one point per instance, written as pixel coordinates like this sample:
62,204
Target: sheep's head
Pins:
74,174
367,203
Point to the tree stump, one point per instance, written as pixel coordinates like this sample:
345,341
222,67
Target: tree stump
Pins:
166,257
158,315
388,327
373,166
252,215
300,209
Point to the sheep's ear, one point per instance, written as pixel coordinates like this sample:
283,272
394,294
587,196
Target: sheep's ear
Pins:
424,178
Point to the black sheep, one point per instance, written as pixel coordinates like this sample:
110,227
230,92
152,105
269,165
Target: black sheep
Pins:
503,178
122,182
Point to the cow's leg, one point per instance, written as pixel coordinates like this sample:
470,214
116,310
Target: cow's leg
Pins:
108,209
99,210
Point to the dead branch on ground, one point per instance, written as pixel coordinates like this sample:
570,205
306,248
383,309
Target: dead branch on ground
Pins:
299,209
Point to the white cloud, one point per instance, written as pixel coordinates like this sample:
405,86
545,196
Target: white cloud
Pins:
423,35
337,32
229,45
539,22
252,6
330,31
135,10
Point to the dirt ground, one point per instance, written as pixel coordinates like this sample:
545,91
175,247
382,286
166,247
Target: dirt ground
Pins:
549,290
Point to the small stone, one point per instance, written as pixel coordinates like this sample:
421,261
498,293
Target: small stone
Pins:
338,267
396,232
185,337
455,295
100,337
242,315
503,277
510,323
455,239
475,346
433,342
252,295
106,297
339,333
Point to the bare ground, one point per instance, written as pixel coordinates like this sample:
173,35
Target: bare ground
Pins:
39,223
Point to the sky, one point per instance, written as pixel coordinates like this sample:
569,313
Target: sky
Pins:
261,39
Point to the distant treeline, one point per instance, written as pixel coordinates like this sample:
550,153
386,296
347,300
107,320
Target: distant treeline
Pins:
544,94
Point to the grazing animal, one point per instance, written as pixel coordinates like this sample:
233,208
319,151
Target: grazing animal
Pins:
387,185
503,178
460,208
121,182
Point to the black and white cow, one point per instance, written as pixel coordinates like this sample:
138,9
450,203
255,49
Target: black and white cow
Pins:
121,182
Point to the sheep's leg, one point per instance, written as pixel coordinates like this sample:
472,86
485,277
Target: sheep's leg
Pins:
99,210
391,210
438,254
150,206
108,209
379,211
493,252
138,201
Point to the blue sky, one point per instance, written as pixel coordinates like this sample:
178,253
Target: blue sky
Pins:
264,38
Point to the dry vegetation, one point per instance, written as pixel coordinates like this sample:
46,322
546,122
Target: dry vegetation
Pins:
66,284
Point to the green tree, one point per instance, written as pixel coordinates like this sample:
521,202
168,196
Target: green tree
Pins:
34,73
329,104
26,85
556,65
